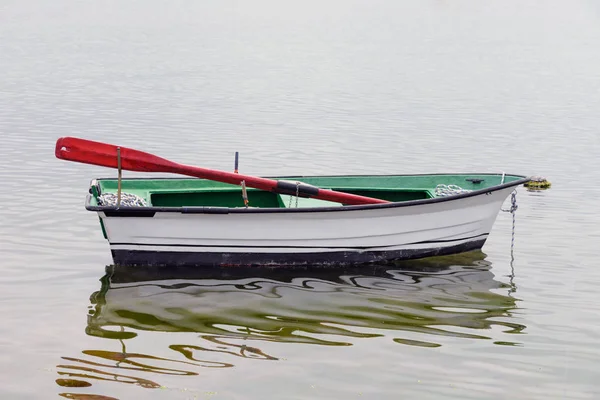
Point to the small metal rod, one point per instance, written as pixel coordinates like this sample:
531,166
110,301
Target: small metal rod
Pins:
119,178
244,193
237,158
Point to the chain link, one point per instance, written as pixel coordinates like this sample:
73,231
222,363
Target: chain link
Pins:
297,195
513,203
513,210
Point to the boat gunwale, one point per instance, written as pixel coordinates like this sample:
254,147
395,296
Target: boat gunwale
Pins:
131,211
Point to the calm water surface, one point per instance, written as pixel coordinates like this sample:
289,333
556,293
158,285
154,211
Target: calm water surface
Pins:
312,87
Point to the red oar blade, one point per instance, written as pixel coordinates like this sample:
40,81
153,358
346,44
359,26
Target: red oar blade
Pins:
105,155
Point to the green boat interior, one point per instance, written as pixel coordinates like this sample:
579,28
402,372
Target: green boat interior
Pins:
184,192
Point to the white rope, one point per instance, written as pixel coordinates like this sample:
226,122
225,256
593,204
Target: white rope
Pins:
449,190
127,200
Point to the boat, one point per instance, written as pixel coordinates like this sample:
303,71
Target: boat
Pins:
206,223
290,220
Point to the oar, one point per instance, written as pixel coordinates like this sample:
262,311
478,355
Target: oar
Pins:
104,154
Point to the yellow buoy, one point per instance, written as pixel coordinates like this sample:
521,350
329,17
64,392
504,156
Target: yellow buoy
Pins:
538,182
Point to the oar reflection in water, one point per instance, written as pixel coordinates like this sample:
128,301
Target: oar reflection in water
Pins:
238,312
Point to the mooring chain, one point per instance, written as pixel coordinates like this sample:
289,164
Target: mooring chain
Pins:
513,209
297,195
513,203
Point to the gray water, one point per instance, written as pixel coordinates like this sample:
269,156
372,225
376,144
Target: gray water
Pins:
311,87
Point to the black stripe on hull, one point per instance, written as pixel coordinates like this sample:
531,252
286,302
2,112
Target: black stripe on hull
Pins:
355,248
341,258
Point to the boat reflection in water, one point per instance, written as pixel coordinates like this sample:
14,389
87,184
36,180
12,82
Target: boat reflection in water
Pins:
235,312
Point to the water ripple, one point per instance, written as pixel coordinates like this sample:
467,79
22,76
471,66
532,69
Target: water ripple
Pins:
240,314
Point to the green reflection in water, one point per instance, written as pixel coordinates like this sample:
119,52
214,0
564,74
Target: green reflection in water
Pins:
237,311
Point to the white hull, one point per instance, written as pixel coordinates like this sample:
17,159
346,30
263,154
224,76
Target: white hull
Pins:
300,237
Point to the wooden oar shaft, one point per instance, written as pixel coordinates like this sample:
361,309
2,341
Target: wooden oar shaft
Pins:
103,154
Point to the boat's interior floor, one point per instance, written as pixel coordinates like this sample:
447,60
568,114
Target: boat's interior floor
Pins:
203,193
